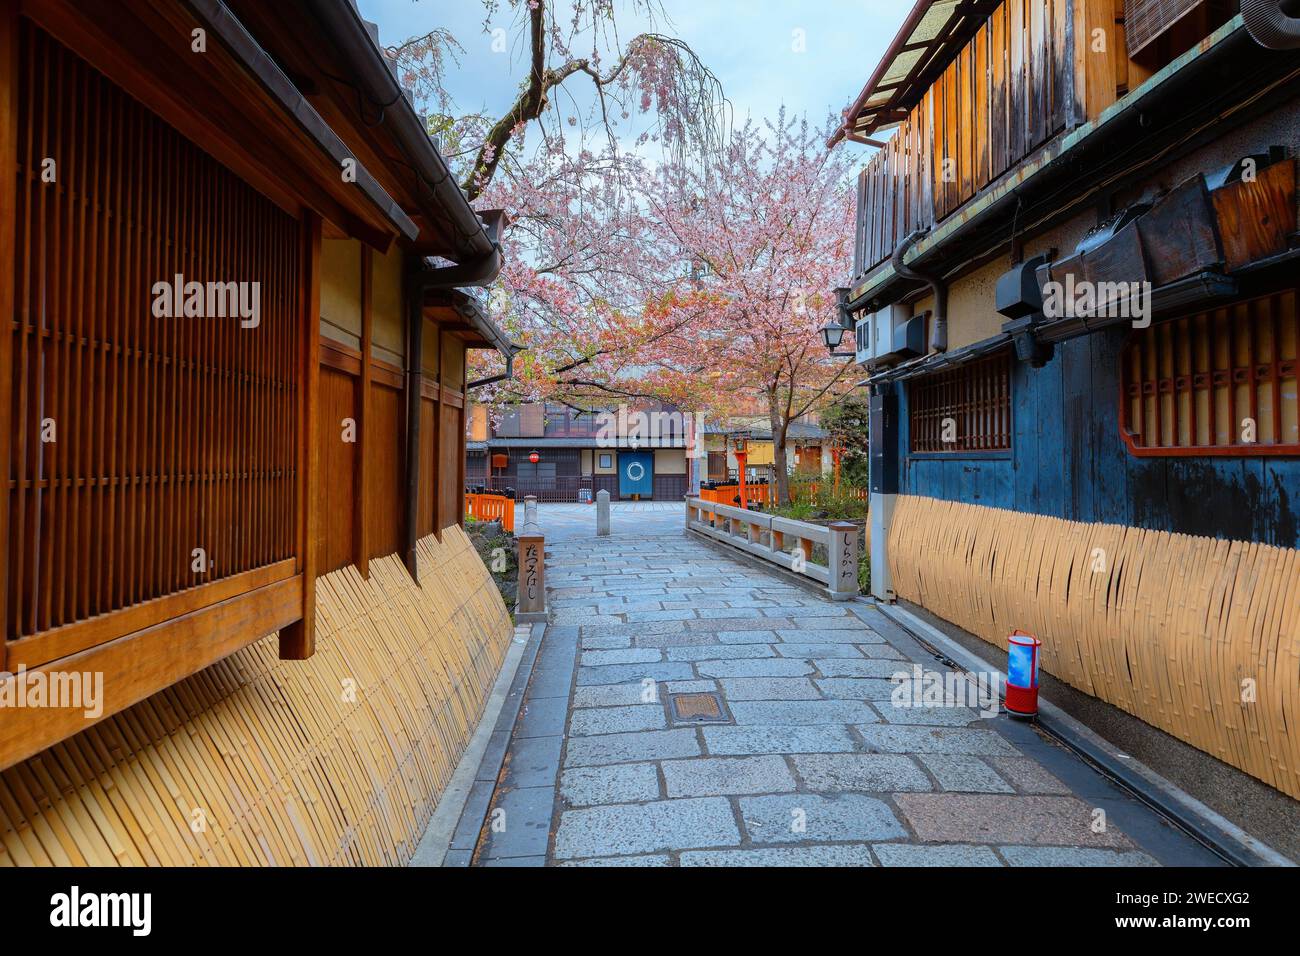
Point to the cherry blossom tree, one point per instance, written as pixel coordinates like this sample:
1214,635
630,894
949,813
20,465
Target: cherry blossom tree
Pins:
580,262
767,231
651,73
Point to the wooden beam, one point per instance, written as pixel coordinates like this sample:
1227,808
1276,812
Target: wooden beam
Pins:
8,219
139,665
298,640
361,534
413,311
37,649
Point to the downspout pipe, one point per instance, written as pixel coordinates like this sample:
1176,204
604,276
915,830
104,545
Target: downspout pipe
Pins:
348,30
939,330
476,272
505,376
1273,24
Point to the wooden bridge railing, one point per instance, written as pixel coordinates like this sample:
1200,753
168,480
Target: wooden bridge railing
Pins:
783,542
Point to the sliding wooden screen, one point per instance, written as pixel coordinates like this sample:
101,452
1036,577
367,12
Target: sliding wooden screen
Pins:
150,453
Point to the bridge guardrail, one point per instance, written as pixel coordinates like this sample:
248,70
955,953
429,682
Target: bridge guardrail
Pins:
768,537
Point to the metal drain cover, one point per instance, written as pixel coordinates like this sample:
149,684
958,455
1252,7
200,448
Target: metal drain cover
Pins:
699,709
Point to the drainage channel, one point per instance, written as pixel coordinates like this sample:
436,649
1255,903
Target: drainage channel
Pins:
1237,850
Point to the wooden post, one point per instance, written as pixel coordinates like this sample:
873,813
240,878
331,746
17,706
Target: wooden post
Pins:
298,640
8,216
437,439
843,560
413,307
460,422
741,457
361,533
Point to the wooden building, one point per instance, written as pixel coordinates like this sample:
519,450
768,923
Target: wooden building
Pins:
641,452
234,404
1075,303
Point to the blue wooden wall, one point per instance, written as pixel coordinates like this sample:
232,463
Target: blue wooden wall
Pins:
1068,460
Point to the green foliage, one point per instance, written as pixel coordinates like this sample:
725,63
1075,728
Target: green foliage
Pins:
823,504
849,422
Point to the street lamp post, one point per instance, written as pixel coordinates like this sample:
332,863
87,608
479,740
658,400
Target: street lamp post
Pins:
833,332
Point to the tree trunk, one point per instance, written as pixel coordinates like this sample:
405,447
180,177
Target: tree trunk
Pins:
779,428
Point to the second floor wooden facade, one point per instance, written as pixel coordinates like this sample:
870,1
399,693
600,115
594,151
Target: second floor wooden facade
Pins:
973,89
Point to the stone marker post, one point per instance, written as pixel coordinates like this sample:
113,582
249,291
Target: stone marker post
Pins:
530,606
843,560
602,513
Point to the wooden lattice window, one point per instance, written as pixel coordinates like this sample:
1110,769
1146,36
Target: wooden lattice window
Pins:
964,409
136,439
1215,383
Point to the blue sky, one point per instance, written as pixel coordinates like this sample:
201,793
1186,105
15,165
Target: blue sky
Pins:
749,44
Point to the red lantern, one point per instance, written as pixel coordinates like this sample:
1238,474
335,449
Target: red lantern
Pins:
1022,674
534,458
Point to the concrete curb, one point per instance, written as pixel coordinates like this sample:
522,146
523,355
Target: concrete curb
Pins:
462,802
1191,815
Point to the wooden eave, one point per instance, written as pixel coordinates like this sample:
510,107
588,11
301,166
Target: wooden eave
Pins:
328,81
1227,75
240,112
930,44
462,316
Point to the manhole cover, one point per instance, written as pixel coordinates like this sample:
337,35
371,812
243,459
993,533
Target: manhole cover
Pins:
699,709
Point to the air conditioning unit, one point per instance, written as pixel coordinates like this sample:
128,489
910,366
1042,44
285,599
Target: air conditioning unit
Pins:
890,335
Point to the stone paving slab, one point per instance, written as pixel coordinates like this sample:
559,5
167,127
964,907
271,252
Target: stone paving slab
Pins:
815,764
934,740
872,773
769,688
986,818
791,713
960,772
617,720
842,855
720,652
790,739
621,783
625,748
721,776
647,827
908,854
804,817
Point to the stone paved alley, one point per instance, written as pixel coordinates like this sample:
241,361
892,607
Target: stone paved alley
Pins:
813,764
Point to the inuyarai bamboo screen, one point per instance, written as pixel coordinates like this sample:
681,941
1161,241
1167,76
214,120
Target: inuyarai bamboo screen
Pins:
153,444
